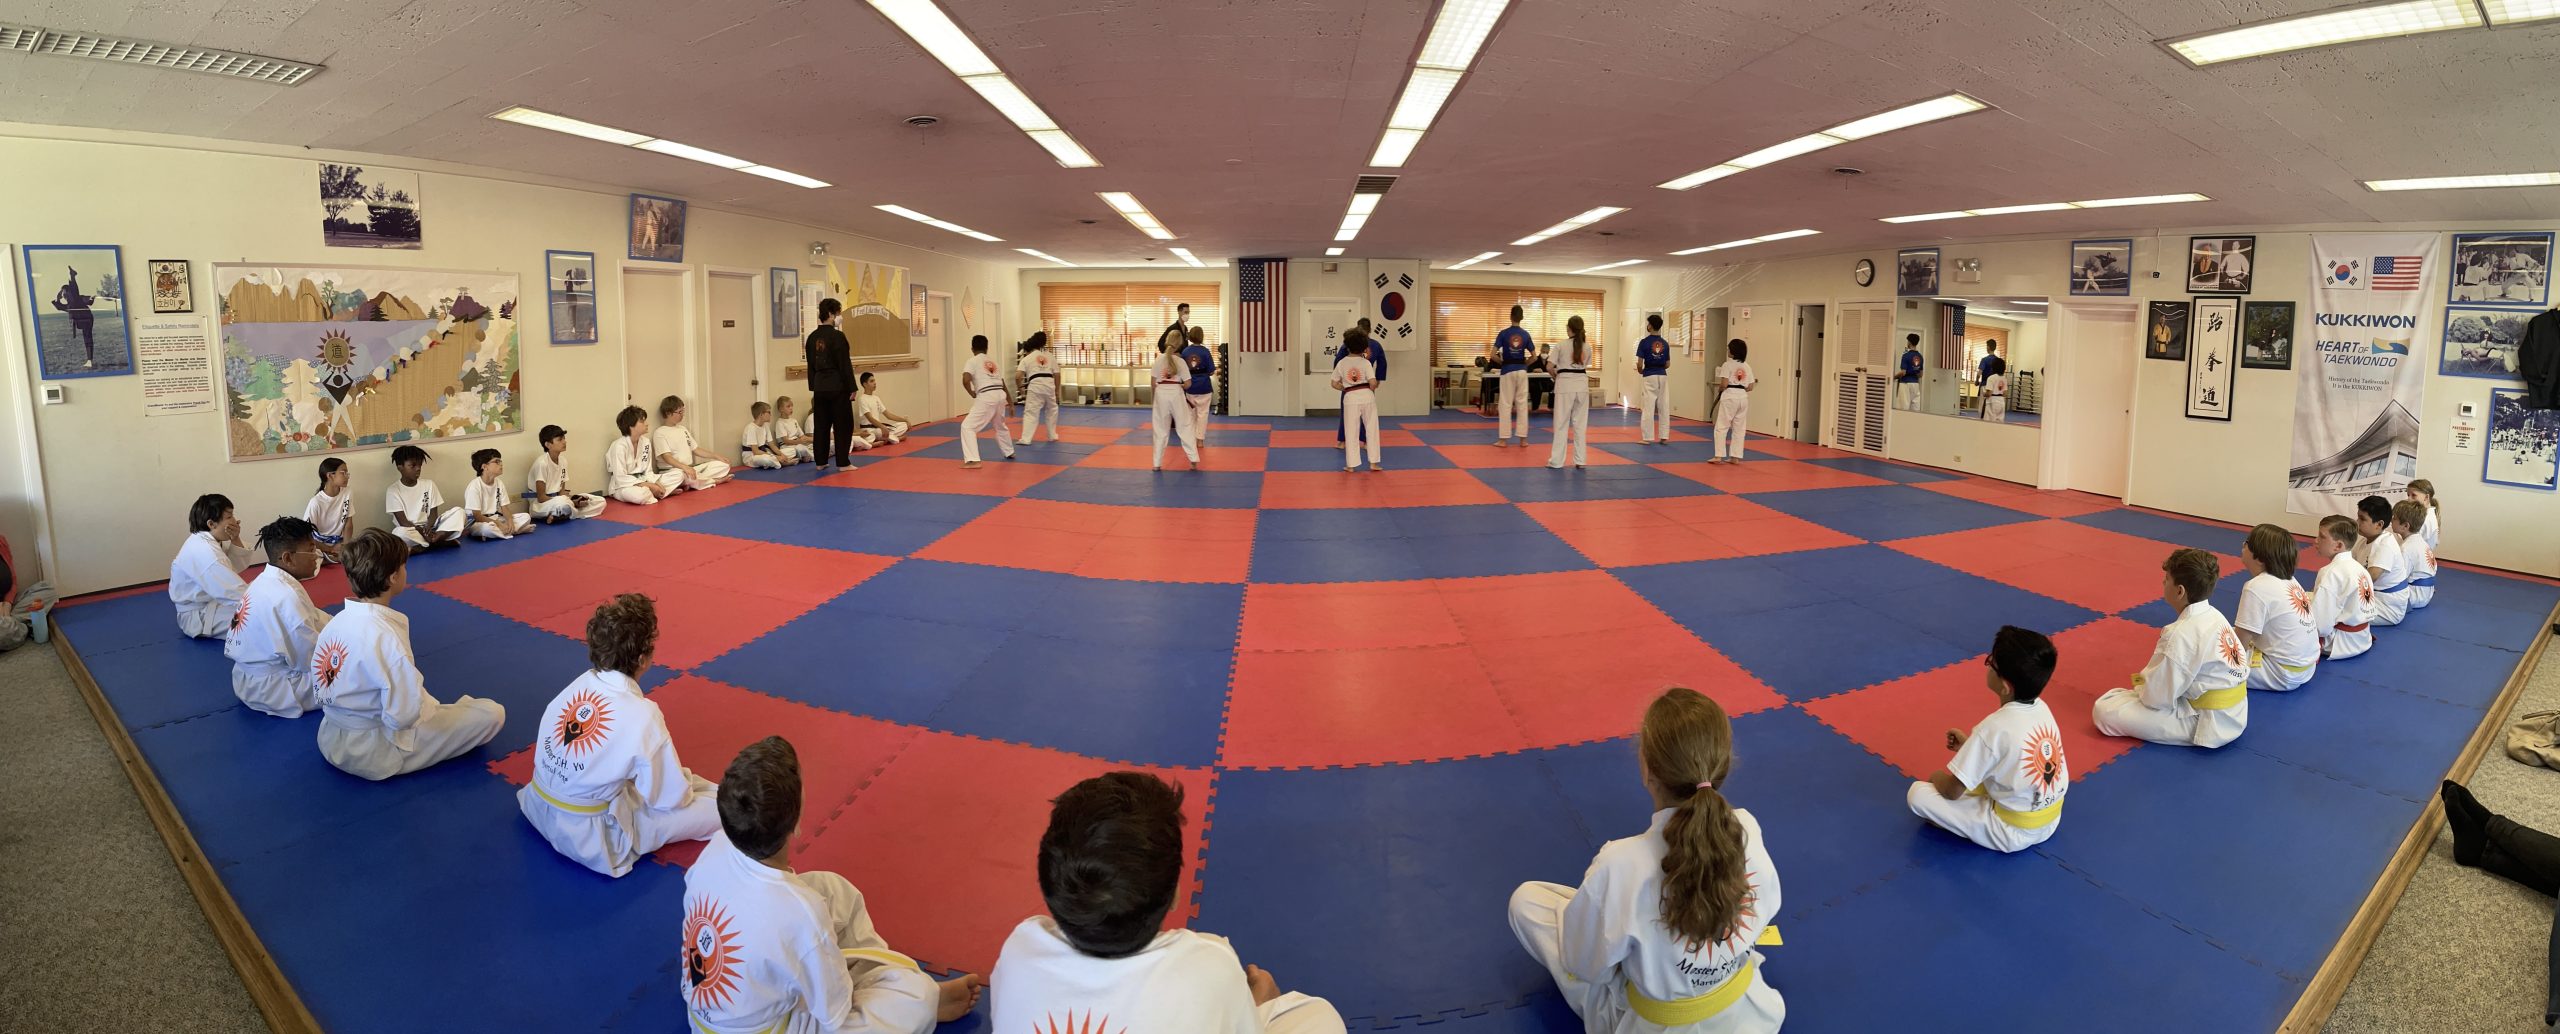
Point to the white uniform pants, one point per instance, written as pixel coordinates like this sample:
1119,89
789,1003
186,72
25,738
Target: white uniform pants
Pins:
277,688
1359,424
639,494
2421,595
2391,608
1173,417
985,411
1537,919
1653,406
1513,399
2269,675
444,731
1573,418
513,523
573,506
1995,408
1199,415
1040,403
706,473
450,523
2120,712
1974,819
897,430
1733,409
611,840
1906,396
798,453
761,461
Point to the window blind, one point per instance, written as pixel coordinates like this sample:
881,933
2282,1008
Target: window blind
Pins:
1465,317
1117,324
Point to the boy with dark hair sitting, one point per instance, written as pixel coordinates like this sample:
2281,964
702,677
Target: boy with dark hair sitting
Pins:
2386,559
272,636
1109,864
767,948
416,507
2003,789
489,508
2194,690
553,502
377,720
204,578
607,787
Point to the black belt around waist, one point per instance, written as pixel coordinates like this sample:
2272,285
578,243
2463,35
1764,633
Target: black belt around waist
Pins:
1573,371
1042,376
1359,387
988,388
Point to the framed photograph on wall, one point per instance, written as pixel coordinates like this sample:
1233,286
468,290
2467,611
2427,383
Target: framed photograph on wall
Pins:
173,286
2102,267
2501,269
783,283
76,305
570,277
2213,358
915,309
2165,332
2221,265
366,207
2520,442
2482,342
657,228
1915,272
2266,336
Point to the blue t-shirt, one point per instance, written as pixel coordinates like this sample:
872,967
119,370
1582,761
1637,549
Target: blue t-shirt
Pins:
1653,356
1989,365
1512,349
1378,359
1910,367
1201,366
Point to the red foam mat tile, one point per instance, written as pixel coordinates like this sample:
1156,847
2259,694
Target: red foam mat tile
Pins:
1163,524
688,504
2090,660
1578,688
1080,435
1637,547
1387,439
1142,457
1161,560
1535,455
2022,498
1557,603
997,477
1334,490
1057,550
1768,476
802,574
1599,513
1775,534
696,622
1348,707
542,588
658,551
1346,616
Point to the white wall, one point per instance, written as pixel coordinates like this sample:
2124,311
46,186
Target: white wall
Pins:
2231,471
2009,452
118,484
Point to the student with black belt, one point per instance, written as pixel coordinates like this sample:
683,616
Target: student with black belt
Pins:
1376,354
985,385
1573,398
830,361
1039,372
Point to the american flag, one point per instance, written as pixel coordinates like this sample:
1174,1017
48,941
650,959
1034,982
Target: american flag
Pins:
1262,295
2396,272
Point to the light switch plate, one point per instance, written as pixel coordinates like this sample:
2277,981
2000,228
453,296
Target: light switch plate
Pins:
53,394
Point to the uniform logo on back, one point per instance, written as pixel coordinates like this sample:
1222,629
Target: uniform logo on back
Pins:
710,955
584,722
2041,759
2229,646
240,617
2301,600
327,662
1090,1024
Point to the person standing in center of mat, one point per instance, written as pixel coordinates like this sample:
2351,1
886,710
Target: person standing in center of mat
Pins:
830,362
2003,789
1733,402
1661,934
985,385
1511,351
1573,398
1201,391
1377,356
1172,411
2274,616
1039,370
376,718
1358,384
1653,370
2194,690
607,786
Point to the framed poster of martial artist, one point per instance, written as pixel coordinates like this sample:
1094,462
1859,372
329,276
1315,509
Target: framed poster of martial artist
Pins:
76,304
2521,443
2221,265
1915,272
2266,336
2501,269
2100,268
2165,333
2212,359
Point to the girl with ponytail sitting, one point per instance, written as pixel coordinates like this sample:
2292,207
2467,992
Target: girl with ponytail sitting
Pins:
1660,935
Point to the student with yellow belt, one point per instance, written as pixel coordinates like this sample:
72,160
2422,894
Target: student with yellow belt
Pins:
607,787
2003,789
1660,935
2194,690
2274,616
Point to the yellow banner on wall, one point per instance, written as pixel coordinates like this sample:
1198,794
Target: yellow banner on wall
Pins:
875,301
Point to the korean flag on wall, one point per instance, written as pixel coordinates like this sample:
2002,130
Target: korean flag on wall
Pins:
1399,304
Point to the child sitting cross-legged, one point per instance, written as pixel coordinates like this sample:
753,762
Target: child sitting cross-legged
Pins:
2194,690
377,720
272,636
607,787
2004,788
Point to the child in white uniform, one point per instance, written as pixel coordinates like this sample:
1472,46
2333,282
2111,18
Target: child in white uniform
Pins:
2342,600
1172,415
1358,383
417,509
2194,690
1637,949
673,443
490,507
271,639
553,502
2384,559
770,950
1039,372
1573,398
756,446
2004,788
2424,491
788,437
875,414
607,787
332,510
1995,398
204,578
1733,403
630,473
2274,617
2420,542
377,720
985,385
1109,865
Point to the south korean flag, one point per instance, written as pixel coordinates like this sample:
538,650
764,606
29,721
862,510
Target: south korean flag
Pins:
1399,304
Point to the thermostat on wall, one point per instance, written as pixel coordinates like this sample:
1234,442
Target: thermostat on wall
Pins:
53,394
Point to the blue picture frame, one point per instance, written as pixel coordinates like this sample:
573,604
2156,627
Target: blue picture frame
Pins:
2100,280
657,228
2491,354
569,295
65,324
2509,417
782,284
2513,270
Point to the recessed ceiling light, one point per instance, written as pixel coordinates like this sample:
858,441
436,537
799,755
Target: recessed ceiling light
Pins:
1332,252
692,153
2516,12
2153,199
35,40
1806,144
1365,195
1612,265
1039,254
1568,226
564,124
925,22
909,213
793,178
2326,29
539,119
1457,33
1127,205
2054,206
1186,256
2511,179
1762,239
1473,261
1904,117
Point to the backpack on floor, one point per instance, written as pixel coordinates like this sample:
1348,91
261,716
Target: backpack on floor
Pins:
2535,739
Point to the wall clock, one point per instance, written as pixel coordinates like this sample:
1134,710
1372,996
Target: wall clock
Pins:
1865,273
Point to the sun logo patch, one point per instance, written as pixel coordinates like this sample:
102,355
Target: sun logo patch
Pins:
2229,646
327,662
583,723
1091,1024
710,955
240,617
2301,600
1734,938
2041,759
2364,591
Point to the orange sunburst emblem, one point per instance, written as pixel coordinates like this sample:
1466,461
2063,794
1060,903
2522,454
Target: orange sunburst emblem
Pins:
2229,646
584,722
710,955
327,662
2301,600
1733,939
2041,759
2364,591
1091,1024
240,617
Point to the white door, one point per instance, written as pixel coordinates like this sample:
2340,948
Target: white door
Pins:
1805,414
1689,372
1321,322
1861,379
2095,396
653,352
950,348
717,419
1764,328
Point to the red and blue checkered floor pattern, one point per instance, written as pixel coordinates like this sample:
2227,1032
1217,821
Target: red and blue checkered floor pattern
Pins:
1393,697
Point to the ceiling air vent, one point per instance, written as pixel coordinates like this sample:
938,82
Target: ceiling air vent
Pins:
1373,184
31,40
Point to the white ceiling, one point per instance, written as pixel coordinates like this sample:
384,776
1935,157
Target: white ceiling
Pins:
1242,123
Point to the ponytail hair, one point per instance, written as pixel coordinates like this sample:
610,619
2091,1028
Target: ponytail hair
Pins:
2426,488
1687,747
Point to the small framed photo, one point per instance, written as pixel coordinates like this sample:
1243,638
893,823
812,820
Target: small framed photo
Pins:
2501,269
2102,267
1915,272
2482,343
657,228
783,283
570,277
2212,355
173,287
2521,439
2221,265
2165,332
76,303
2266,336
915,309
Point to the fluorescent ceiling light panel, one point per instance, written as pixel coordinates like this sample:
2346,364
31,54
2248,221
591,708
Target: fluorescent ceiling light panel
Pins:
1762,239
1363,204
690,152
1612,265
2153,199
1926,218
1806,144
1787,236
1457,33
538,119
1394,147
785,175
1907,116
523,116
1039,254
2326,29
909,213
924,22
2052,206
1186,255
1568,226
1064,148
1702,176
1011,102
1473,261
1423,95
2516,12
1127,205
35,40
1332,252
2511,179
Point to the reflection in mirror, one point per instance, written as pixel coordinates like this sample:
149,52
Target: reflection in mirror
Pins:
1972,358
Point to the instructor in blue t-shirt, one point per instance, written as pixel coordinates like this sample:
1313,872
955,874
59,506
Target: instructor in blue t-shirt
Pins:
1511,351
1653,364
1906,379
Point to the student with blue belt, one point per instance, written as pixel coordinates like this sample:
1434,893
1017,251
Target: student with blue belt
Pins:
1653,365
1511,351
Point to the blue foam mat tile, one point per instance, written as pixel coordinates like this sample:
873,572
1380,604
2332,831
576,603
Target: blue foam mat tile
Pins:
2352,730
1428,521
1882,513
1103,416
1318,526
164,681
2226,598
1221,436
2415,662
1188,615
1054,454
520,668
436,621
1518,552
2480,624
1809,652
2496,590
2241,876
1191,489
796,525
976,596
1971,609
1861,571
105,626
1146,705
1696,592
2173,530
1348,559
1293,852
1542,485
791,475
477,555
1396,457
861,662
1676,452
1880,469
1458,435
